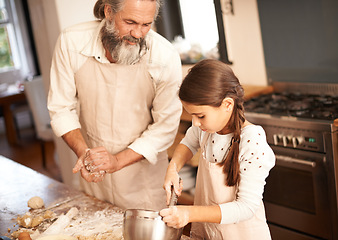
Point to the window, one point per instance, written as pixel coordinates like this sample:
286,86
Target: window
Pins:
17,60
195,27
6,38
200,29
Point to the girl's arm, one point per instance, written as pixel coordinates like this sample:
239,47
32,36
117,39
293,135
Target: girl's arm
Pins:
179,216
210,214
181,155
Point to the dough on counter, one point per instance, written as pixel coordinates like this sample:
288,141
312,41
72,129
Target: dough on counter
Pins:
35,202
48,214
29,221
37,220
25,220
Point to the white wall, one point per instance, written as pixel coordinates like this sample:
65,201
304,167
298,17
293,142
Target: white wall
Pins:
48,19
71,12
43,29
244,42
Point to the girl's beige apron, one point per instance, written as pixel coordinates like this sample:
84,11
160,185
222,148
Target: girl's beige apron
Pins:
115,108
210,190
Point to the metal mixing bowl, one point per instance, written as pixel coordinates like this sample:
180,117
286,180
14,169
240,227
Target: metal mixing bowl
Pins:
147,225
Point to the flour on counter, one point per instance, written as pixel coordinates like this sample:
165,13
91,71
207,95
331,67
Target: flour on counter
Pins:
101,223
106,224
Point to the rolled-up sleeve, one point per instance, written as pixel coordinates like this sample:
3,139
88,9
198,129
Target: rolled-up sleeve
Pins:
166,111
62,99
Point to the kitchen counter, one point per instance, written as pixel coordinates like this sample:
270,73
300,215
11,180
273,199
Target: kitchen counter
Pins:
19,184
250,91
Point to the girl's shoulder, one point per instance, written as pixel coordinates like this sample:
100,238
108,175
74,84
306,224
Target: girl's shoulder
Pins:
253,131
255,152
253,138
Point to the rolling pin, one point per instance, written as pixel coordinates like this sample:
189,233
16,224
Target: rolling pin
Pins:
63,221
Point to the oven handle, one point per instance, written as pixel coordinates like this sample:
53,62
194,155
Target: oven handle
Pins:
288,159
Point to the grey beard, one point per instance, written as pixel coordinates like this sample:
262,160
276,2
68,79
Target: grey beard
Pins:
122,52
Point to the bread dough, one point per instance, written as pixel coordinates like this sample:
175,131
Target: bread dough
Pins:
25,220
37,220
28,220
35,202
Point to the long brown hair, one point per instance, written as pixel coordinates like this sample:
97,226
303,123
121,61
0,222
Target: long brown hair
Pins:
208,83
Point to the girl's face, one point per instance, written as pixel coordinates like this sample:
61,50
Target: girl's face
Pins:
211,119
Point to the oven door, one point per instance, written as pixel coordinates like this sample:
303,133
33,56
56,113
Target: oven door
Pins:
296,196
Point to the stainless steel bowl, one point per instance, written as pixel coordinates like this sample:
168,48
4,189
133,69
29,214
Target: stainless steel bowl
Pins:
147,225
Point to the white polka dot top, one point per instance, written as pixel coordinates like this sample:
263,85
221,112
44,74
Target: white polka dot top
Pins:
256,158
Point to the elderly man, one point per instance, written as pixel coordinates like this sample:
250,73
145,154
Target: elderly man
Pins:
113,99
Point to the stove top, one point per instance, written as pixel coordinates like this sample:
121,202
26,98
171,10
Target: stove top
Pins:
309,106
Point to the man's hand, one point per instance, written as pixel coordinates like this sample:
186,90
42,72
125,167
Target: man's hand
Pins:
99,159
85,172
95,163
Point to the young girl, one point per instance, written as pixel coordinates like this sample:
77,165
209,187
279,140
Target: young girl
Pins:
234,162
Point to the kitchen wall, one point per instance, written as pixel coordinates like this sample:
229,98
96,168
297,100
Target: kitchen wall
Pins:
243,36
48,19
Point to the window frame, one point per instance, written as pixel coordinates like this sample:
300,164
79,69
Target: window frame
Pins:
169,24
24,56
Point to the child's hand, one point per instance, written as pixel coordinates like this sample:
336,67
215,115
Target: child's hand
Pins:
176,216
172,178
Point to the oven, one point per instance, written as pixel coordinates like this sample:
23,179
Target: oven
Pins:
300,195
299,39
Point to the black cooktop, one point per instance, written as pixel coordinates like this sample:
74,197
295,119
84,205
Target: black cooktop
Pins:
296,105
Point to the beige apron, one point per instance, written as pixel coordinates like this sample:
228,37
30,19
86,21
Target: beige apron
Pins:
210,190
115,102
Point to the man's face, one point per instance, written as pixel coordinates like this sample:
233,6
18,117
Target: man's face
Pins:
123,34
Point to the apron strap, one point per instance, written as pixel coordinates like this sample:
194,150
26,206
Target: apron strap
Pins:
204,140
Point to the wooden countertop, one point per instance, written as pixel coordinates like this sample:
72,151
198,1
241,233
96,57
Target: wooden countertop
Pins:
19,184
250,91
